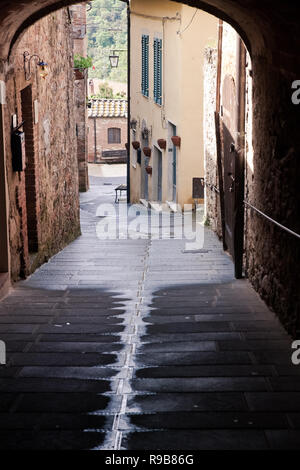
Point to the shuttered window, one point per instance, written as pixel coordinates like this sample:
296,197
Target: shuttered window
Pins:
114,135
157,91
145,65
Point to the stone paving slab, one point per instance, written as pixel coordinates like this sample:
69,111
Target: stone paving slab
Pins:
203,420
201,440
206,370
143,344
204,384
52,440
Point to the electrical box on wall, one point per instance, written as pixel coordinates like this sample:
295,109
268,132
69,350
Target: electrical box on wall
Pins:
18,150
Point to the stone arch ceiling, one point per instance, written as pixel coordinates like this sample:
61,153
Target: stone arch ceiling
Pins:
269,27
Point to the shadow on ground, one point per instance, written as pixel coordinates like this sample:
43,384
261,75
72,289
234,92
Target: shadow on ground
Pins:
212,371
64,349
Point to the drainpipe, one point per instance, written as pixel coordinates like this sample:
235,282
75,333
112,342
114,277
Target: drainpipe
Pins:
95,140
219,66
218,132
128,99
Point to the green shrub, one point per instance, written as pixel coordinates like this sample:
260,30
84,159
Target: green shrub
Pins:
82,62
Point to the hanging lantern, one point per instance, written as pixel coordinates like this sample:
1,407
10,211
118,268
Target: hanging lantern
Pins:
114,60
43,68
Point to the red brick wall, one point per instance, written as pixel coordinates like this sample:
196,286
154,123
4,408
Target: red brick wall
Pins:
78,15
43,199
102,126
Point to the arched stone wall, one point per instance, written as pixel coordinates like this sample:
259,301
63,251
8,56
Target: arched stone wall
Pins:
272,35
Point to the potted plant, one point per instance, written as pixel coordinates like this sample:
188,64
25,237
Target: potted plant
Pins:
162,143
147,151
176,140
149,170
80,65
135,144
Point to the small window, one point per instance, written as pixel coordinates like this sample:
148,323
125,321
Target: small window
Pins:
114,135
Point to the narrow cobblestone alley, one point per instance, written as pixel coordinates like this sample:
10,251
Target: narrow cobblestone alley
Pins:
143,344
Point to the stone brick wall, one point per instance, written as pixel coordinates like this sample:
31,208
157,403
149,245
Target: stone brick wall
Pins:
82,132
273,255
43,199
102,126
79,18
271,173
212,200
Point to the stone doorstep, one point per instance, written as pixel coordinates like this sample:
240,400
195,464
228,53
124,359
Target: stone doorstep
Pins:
4,285
144,202
156,206
172,205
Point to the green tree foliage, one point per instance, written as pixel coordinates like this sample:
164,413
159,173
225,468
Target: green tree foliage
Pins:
82,62
107,31
106,92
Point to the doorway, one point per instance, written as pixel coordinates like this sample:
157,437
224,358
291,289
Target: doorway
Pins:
172,163
144,163
157,176
30,169
4,239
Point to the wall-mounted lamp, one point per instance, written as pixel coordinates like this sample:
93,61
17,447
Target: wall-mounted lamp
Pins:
40,63
133,124
114,57
114,60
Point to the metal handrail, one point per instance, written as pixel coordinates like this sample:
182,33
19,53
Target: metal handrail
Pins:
212,187
216,190
271,220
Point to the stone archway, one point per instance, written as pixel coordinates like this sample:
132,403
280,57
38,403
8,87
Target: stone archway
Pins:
4,248
271,33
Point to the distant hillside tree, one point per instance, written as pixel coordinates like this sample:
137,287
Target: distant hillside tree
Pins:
107,31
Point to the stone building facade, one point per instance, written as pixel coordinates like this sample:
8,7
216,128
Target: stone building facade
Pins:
79,30
43,199
267,260
107,124
168,40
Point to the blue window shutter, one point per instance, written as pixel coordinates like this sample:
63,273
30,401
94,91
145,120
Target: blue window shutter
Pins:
159,71
145,65
155,70
157,52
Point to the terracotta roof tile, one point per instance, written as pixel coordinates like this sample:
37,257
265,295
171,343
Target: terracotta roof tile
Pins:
107,108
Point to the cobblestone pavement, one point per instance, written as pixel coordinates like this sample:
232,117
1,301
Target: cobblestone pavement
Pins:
143,344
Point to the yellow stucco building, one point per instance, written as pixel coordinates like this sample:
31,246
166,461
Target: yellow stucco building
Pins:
167,58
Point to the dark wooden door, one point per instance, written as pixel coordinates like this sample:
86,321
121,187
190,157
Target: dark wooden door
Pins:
228,124
159,176
233,173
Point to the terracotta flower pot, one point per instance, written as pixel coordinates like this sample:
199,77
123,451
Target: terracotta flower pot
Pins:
79,74
147,151
149,170
135,145
162,143
176,140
